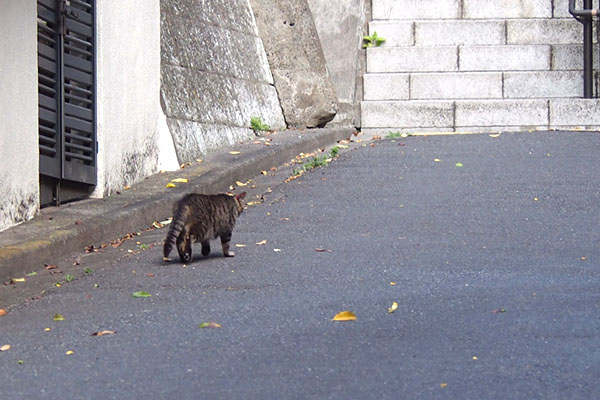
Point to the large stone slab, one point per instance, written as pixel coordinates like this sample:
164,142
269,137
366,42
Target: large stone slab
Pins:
297,63
214,75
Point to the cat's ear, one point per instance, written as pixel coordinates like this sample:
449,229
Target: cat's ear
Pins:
241,196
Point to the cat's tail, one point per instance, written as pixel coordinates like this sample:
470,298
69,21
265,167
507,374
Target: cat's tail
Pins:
175,229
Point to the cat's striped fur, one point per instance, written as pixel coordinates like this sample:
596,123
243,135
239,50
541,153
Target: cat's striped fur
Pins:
200,218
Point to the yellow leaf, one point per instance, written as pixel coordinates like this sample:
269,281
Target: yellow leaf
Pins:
170,185
180,180
242,184
210,325
262,242
234,152
5,347
345,316
69,352
443,385
47,329
59,317
393,283
240,245
253,203
437,160
18,279
393,308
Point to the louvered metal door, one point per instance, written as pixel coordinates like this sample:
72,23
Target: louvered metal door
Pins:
67,116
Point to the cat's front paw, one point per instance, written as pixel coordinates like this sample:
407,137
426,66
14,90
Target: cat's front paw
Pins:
229,254
186,258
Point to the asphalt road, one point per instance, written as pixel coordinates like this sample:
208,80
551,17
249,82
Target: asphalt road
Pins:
489,245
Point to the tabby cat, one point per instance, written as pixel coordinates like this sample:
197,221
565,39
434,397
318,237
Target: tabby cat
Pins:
202,217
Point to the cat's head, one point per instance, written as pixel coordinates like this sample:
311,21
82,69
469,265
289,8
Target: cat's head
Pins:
239,204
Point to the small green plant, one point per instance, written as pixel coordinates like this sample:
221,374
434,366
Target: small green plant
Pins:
69,277
317,161
257,125
394,135
372,40
88,270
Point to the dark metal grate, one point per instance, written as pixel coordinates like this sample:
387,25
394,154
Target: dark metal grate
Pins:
66,89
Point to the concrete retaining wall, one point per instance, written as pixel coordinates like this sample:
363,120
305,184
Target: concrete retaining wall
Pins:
19,116
215,75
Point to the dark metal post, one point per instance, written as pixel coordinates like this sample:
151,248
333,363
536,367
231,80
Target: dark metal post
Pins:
586,17
588,58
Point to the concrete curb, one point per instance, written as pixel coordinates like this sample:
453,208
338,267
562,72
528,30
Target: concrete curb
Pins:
58,232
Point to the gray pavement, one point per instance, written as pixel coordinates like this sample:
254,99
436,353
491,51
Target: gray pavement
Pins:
489,245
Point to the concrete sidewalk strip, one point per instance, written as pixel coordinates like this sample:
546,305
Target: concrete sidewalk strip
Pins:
57,232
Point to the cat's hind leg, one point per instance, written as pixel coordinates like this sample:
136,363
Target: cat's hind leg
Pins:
225,242
205,248
184,247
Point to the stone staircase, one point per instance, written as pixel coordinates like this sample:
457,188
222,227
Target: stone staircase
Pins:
475,65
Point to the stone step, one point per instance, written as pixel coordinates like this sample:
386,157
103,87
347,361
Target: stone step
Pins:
459,58
480,115
469,9
478,32
473,85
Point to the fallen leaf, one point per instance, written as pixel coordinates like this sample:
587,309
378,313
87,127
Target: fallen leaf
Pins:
475,358
170,185
263,172
321,250
458,164
240,245
70,352
499,310
436,160
47,329
443,385
376,138
141,294
5,347
253,203
234,152
2,312
20,362
241,184
59,317
262,242
18,279
345,316
150,275
33,273
157,225
393,283
393,308
209,325
494,135
276,250
105,332
180,180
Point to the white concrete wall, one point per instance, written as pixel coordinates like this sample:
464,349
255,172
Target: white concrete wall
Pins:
128,82
19,116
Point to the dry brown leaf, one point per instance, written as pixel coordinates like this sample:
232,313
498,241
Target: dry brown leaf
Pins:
2,312
105,332
345,316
